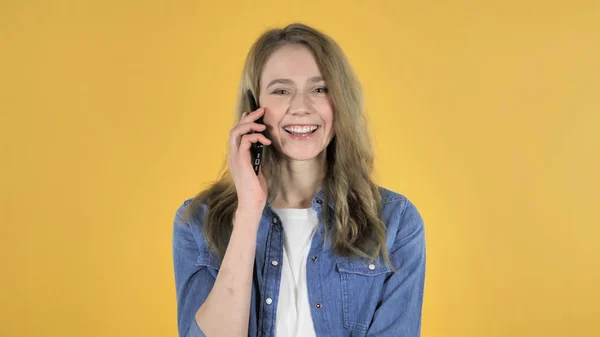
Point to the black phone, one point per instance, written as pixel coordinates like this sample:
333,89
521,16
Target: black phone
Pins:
256,150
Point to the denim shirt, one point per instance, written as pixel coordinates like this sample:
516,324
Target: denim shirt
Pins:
348,296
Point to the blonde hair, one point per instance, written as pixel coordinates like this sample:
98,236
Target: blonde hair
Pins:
355,224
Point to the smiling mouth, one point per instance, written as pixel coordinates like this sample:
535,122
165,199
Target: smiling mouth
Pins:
301,130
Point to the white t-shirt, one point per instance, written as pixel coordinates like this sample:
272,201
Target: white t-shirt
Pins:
293,310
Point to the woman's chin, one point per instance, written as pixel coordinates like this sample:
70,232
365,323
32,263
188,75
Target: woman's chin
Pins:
301,155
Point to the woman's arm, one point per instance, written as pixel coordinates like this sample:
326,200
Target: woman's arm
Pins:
226,310
209,307
400,311
221,306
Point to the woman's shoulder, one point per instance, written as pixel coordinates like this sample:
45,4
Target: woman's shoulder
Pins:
399,213
190,211
187,224
388,196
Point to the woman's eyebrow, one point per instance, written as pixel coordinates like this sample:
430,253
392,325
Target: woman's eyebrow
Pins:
313,79
280,80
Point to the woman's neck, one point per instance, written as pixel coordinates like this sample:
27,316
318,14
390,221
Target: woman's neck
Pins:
300,182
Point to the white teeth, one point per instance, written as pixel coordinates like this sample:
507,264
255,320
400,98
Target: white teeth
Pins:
301,129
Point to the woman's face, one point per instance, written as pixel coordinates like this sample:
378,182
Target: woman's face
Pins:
299,114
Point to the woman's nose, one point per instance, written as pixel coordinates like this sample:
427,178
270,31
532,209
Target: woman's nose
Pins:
299,103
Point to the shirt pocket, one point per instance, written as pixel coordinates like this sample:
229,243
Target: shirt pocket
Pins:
210,261
362,284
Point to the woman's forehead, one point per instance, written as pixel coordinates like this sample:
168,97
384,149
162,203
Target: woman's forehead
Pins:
293,62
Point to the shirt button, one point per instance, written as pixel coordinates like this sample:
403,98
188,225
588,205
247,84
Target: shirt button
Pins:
319,201
274,262
274,220
372,266
318,305
269,300
314,258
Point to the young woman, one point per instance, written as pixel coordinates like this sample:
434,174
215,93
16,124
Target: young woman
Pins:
311,246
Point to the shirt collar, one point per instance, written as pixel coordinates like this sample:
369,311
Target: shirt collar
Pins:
317,201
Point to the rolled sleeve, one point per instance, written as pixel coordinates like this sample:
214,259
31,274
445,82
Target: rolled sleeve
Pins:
194,330
193,281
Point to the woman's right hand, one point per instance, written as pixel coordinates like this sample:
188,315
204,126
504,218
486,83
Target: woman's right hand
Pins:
251,189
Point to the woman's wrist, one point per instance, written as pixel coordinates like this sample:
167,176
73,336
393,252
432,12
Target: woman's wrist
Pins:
248,216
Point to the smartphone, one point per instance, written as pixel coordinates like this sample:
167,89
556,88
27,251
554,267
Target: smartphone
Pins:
256,150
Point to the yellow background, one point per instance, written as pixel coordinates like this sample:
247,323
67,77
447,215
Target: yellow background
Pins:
485,114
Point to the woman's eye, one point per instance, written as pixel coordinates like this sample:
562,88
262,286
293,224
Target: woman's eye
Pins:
321,90
280,92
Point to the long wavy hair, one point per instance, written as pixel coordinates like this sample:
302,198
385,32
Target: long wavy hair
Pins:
354,223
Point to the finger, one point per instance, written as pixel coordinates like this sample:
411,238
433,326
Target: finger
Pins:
239,130
252,116
247,141
244,128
